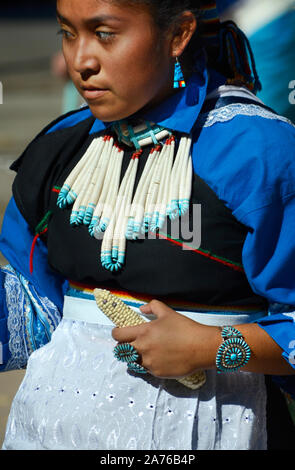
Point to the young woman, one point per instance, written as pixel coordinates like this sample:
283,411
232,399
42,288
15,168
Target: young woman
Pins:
172,121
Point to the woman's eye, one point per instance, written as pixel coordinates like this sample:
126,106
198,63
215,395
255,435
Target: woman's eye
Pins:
66,34
105,35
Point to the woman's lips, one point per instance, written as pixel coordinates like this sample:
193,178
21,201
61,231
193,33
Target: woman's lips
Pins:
93,93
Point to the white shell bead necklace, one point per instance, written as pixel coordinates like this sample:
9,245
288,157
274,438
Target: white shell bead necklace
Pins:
108,207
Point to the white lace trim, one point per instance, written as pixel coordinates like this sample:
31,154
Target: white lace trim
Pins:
16,303
227,113
291,315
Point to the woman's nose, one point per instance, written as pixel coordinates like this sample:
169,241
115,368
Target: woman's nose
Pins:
86,60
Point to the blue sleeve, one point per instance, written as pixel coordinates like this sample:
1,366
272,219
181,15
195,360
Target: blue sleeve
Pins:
15,244
269,250
31,304
268,258
250,164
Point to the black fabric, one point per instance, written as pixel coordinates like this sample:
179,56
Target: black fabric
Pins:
42,162
156,267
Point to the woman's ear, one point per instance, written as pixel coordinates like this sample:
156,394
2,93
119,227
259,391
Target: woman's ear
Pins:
183,32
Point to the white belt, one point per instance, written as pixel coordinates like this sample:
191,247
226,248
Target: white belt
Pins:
86,310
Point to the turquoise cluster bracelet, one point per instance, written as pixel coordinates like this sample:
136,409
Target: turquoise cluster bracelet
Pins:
234,352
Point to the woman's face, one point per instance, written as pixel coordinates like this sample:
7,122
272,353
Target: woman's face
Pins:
115,56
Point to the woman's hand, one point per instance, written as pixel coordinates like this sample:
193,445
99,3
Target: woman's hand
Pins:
172,345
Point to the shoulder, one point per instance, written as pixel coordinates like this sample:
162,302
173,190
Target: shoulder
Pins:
62,127
246,153
45,158
69,120
239,113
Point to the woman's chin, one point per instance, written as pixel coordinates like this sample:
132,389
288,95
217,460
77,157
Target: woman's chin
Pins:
103,113
107,113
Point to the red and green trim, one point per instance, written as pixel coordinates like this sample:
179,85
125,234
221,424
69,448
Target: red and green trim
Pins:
207,253
56,189
41,229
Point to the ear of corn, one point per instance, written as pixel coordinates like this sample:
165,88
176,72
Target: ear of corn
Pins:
122,315
116,310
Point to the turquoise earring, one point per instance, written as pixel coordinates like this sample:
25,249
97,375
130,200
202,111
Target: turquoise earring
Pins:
179,81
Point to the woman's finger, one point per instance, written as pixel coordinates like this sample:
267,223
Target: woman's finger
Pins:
125,334
156,307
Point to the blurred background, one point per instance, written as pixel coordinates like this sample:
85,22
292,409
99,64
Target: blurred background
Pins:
36,89
32,97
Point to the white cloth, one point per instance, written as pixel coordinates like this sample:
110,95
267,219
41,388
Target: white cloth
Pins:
76,395
83,309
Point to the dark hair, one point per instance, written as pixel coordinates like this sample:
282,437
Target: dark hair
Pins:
168,12
231,54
